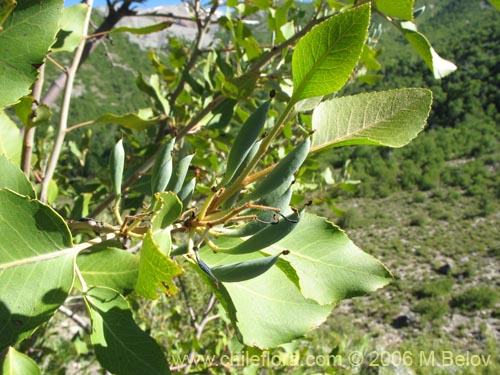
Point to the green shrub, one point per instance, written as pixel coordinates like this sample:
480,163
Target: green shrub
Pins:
352,218
475,298
419,197
418,220
435,288
431,308
440,212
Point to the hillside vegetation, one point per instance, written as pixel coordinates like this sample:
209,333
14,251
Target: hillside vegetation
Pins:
431,210
438,232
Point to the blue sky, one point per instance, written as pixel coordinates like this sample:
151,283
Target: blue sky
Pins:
147,4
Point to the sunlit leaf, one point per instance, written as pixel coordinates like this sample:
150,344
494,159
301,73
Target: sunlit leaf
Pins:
35,278
13,362
32,114
136,121
324,58
10,139
329,265
269,316
167,209
155,270
402,9
71,32
109,267
388,118
321,268
369,58
495,3
370,79
26,37
143,30
14,179
439,66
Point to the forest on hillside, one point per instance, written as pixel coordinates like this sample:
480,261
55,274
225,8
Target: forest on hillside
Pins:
460,146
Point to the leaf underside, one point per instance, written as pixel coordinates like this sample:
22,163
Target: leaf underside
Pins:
388,118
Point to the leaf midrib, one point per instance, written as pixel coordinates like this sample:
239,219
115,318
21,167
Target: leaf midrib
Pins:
296,95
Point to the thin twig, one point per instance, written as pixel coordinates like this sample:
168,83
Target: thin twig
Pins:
82,322
81,124
112,61
200,327
185,296
201,27
29,132
63,123
56,64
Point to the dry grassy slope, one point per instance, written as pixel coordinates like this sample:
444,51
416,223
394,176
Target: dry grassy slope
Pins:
414,238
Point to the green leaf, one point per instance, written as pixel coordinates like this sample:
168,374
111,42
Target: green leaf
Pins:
246,270
402,9
495,3
322,267
439,66
28,33
247,136
280,178
14,179
121,347
32,114
325,57
388,118
81,207
143,30
271,234
109,267
240,87
52,192
167,209
329,265
71,31
269,316
13,362
278,18
116,165
369,58
6,8
154,82
135,121
187,192
179,174
36,265
155,269
162,167
169,75
370,79
11,142
153,89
